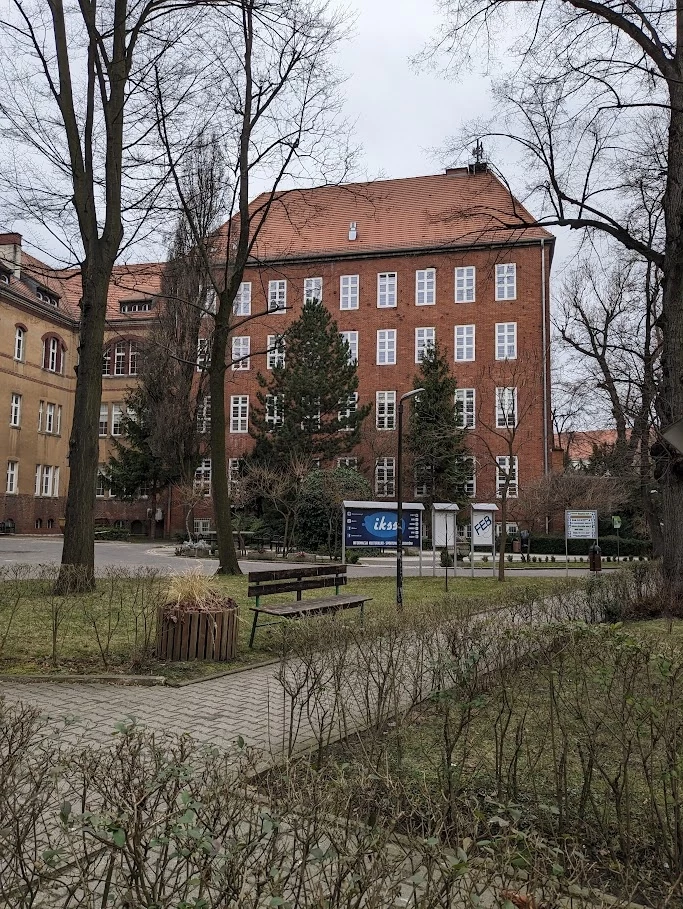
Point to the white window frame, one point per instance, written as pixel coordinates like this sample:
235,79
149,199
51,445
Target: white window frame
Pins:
465,284
387,289
241,305
506,340
239,413
203,353
55,482
52,354
234,467
385,410
506,281
200,526
351,338
241,349
425,287
506,408
502,468
465,340
15,410
275,354
202,477
46,481
313,290
470,487
467,398
385,477
277,295
116,419
41,406
19,344
424,339
104,420
275,415
12,479
348,463
120,358
204,415
386,346
133,353
349,286
50,413
351,407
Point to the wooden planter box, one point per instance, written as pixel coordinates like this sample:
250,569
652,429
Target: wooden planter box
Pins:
197,635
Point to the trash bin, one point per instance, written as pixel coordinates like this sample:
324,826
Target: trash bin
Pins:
517,546
594,560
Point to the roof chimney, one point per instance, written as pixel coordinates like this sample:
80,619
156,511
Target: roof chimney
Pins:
10,253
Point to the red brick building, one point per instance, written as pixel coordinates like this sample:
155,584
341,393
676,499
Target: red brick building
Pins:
451,258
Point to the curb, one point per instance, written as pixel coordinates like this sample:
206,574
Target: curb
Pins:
146,681
220,675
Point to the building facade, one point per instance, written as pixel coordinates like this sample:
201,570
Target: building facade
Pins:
451,259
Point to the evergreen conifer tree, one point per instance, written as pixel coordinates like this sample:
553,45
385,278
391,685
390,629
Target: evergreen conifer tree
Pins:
308,408
436,439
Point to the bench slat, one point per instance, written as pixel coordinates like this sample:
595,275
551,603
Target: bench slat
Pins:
313,571
294,586
329,604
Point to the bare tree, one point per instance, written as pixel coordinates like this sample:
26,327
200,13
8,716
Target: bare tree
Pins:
270,96
514,387
595,101
75,122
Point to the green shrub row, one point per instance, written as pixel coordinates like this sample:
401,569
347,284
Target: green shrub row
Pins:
554,545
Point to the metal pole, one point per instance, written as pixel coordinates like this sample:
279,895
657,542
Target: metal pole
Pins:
455,548
420,569
343,535
472,543
433,542
399,511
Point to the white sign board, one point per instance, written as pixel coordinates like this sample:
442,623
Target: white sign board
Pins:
482,528
581,525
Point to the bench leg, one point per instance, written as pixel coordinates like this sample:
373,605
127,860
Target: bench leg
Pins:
253,631
362,615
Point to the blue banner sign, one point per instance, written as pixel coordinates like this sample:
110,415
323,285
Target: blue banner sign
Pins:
377,527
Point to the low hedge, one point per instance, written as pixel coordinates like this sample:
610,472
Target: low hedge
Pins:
553,545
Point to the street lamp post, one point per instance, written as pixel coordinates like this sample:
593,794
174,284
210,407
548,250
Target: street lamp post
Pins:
399,497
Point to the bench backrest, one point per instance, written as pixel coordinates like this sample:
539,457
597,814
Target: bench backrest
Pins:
296,580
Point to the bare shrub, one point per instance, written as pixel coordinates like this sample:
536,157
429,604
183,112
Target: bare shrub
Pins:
13,589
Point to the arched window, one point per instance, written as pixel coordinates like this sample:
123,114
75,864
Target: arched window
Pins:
120,358
54,354
20,343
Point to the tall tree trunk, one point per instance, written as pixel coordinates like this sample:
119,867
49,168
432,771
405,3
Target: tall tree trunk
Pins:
79,528
227,554
669,466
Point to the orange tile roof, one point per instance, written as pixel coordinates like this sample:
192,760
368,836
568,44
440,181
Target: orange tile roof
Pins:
579,445
443,210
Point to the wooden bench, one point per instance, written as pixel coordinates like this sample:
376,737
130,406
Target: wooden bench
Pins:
296,580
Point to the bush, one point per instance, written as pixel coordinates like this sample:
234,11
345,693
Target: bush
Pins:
554,545
352,556
446,559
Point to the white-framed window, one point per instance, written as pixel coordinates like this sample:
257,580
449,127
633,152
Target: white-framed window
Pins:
470,485
466,399
425,287
507,468
58,427
204,415
506,408
241,347
348,292
385,477
106,361
275,413
506,281
239,413
351,338
313,290
277,296
55,482
41,407
46,481
386,289
133,355
201,526
464,343
52,361
385,410
242,303
348,463
424,339
465,284
386,347
104,419
50,418
349,407
100,483
510,528
506,340
120,358
19,338
234,471
203,353
135,306
12,483
202,477
275,355
116,419
15,410
421,485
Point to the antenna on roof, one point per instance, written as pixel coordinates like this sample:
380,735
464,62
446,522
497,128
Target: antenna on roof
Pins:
479,165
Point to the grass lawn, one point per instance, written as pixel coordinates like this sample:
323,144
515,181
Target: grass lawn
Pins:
28,644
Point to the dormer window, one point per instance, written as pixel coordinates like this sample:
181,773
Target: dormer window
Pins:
135,306
4,277
46,297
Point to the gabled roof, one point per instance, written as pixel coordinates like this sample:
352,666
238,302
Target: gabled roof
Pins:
455,209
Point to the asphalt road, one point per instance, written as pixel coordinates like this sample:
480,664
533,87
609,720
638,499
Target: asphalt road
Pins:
42,550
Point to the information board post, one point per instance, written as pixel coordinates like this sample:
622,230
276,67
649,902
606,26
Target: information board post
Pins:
579,525
482,531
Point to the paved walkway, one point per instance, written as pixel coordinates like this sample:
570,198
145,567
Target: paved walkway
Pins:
248,704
